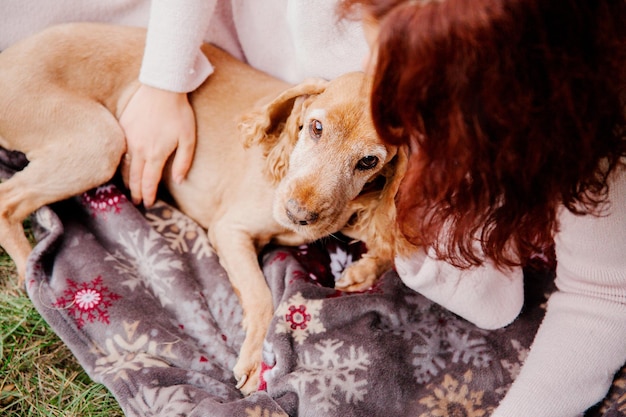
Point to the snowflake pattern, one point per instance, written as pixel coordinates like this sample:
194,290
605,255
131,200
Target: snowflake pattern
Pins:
468,349
145,260
279,256
427,360
162,401
439,338
453,347
300,317
199,324
209,383
225,309
183,234
87,302
131,352
332,375
622,403
104,199
324,261
339,261
454,398
514,368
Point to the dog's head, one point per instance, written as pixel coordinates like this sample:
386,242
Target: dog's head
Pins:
322,150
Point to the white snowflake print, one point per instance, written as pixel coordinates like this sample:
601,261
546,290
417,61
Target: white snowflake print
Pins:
329,378
300,317
437,348
182,233
171,401
130,352
339,260
199,324
440,338
146,261
469,350
226,310
522,353
209,383
427,360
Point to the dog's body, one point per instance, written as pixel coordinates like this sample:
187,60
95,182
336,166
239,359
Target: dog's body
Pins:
62,91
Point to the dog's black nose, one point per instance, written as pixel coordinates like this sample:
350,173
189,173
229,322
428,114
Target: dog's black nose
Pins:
299,215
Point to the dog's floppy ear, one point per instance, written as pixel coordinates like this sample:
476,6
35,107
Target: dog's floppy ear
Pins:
398,170
375,212
275,125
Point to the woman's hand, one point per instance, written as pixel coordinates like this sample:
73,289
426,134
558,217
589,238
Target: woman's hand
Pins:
157,123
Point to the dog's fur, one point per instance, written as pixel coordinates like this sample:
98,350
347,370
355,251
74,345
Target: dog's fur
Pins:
309,152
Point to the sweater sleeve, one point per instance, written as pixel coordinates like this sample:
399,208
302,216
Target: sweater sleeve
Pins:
486,296
172,57
580,344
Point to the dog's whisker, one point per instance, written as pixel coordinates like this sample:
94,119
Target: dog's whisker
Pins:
334,236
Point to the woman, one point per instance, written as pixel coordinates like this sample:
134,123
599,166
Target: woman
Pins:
514,114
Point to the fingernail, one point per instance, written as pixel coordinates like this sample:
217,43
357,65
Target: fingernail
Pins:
178,179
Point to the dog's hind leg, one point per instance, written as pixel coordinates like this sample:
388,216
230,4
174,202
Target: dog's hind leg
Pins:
72,156
14,241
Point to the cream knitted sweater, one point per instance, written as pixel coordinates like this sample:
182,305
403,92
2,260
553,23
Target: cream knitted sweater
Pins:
581,342
290,39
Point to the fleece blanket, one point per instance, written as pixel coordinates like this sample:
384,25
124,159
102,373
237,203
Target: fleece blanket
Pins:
141,300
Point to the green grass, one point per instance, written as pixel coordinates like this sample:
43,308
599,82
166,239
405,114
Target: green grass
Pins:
39,376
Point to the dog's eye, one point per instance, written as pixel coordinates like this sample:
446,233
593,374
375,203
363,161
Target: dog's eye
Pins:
316,128
367,162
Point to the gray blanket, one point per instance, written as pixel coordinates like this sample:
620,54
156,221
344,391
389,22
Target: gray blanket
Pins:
141,300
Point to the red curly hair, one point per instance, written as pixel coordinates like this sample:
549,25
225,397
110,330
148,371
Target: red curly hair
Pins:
512,108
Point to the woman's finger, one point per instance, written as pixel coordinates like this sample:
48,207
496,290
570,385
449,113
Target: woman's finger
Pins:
135,178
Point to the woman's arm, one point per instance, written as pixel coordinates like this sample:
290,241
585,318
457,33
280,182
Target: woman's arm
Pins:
486,296
158,120
172,59
581,343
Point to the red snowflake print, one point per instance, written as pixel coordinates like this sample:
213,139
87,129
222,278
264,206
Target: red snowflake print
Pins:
298,317
298,276
279,257
87,302
104,199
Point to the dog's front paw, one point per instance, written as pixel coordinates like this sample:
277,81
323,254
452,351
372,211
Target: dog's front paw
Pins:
359,276
247,370
247,374
257,318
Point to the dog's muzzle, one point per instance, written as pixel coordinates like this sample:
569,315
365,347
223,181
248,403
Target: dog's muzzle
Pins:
299,215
